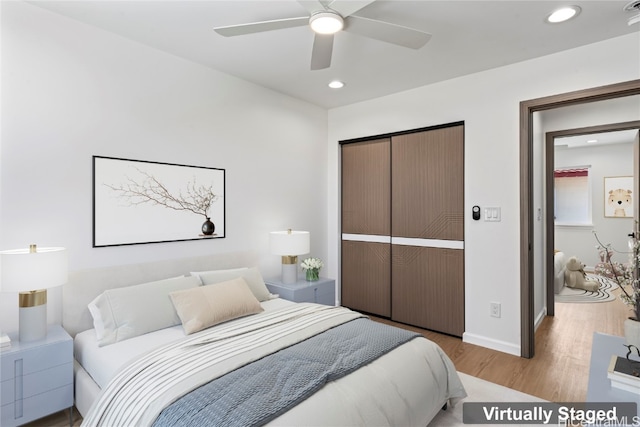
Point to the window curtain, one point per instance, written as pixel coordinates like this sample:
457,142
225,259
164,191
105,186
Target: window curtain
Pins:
570,173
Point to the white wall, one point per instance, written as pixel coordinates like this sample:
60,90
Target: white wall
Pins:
614,160
488,102
71,91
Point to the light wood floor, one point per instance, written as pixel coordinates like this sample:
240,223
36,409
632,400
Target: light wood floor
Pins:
559,372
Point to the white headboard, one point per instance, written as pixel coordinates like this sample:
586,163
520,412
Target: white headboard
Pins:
84,285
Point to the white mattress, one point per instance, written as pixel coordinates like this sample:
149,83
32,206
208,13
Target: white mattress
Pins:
102,363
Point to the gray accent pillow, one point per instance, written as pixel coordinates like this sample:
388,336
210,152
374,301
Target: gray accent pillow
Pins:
251,275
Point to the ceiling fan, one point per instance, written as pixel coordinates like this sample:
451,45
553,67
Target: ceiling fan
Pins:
327,20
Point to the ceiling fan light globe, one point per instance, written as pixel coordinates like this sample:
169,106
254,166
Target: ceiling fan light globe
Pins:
326,22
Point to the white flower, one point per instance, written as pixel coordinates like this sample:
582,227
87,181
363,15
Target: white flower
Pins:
312,264
624,275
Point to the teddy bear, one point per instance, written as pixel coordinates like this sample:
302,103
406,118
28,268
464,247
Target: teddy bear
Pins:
575,277
619,200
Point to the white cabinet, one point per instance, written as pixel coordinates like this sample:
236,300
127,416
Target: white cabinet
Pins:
321,291
36,378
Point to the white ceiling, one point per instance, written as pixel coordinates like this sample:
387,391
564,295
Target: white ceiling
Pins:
592,140
467,37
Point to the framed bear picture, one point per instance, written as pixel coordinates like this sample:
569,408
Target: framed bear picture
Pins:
618,197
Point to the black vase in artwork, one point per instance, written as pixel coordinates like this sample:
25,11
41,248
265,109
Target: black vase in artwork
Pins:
208,227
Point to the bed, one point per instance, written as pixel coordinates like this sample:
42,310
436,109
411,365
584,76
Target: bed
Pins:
251,360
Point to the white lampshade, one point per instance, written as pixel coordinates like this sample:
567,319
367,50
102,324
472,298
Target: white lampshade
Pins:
30,272
289,242
22,270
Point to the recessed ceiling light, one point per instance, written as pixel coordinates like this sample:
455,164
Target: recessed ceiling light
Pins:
336,84
563,14
591,141
326,22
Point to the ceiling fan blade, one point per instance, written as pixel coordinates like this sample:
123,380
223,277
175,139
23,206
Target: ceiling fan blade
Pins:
312,6
347,7
258,27
387,32
322,50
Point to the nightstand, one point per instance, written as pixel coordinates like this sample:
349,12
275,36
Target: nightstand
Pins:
599,387
322,291
36,377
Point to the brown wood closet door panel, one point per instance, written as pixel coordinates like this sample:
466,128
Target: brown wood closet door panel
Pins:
427,184
428,288
366,185
366,276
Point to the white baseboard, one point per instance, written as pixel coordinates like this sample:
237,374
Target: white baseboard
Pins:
491,343
539,318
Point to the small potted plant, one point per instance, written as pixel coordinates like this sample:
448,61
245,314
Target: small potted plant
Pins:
312,267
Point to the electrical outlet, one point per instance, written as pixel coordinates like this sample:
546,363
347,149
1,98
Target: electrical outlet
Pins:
494,309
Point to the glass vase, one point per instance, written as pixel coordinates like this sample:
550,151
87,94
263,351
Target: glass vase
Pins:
313,274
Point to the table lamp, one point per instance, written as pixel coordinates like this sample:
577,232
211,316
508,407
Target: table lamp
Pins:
289,244
30,272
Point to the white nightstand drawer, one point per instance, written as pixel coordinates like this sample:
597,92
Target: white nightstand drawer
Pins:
35,358
37,377
325,295
37,383
7,390
321,291
37,406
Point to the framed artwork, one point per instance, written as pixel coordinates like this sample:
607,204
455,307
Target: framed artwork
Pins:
618,197
137,202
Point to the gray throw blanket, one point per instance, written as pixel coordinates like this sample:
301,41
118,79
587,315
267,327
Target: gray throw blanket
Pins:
261,391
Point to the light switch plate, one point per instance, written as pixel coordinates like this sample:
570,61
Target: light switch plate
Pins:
492,214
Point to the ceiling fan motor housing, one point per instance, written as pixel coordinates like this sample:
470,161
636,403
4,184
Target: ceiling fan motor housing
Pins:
326,22
633,6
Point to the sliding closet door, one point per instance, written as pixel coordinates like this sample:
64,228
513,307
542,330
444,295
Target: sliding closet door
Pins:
366,225
428,229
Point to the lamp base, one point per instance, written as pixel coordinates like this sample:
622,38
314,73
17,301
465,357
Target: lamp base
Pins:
289,273
32,315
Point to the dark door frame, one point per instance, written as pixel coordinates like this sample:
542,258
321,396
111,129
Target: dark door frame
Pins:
527,108
549,190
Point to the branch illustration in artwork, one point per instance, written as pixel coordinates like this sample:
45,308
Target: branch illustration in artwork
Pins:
196,198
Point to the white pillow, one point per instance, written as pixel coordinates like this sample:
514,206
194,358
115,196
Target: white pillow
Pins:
236,272
251,275
205,306
123,313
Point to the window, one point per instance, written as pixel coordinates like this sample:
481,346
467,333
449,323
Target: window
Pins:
572,198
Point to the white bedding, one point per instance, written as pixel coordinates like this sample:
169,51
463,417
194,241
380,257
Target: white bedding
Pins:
102,363
407,386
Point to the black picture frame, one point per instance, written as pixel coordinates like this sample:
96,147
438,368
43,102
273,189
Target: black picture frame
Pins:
140,202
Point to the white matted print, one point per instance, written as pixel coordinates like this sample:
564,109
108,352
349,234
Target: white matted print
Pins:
618,197
137,201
